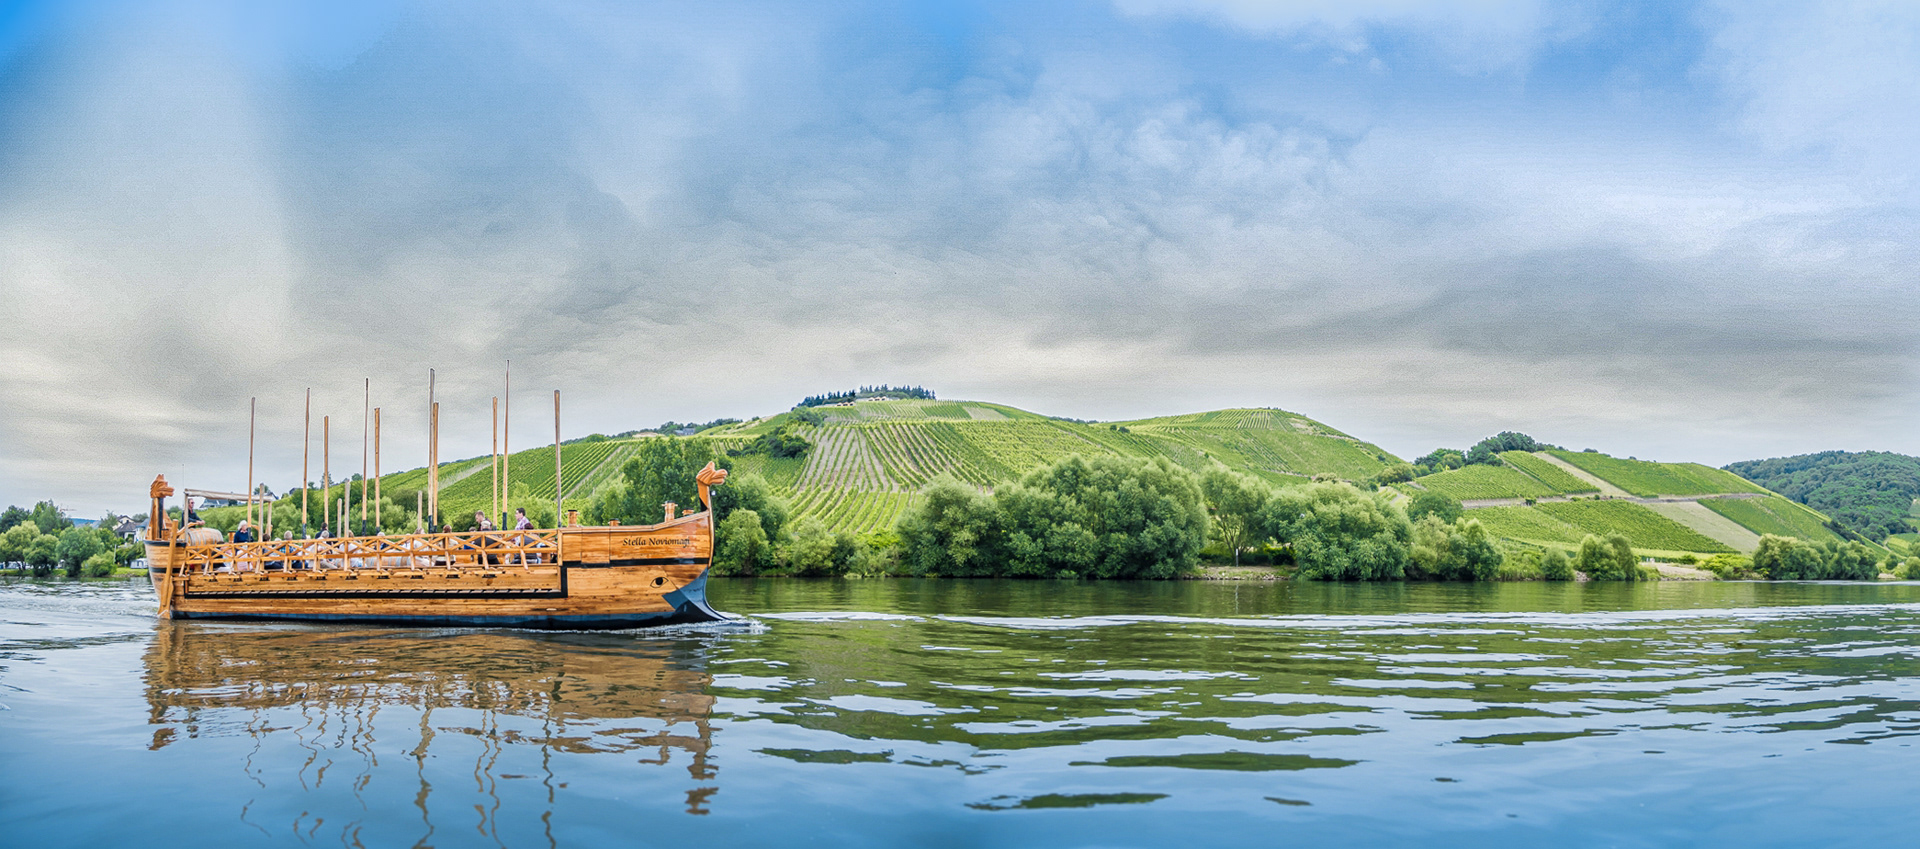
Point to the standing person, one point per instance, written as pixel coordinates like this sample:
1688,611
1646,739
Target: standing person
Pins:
522,523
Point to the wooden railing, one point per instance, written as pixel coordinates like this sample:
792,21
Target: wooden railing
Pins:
444,551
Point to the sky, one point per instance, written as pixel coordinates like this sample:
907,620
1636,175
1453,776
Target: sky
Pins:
1670,230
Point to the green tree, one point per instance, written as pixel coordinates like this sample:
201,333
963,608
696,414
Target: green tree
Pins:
1339,533
1910,570
663,471
1440,460
76,544
1234,501
742,547
951,531
99,565
1779,558
41,555
1461,551
876,554
752,492
16,539
49,518
1439,504
1848,561
1607,559
1554,566
1396,473
126,552
814,550
1106,517
12,517
1476,553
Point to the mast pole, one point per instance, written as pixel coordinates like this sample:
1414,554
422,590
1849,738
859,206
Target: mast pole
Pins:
252,406
378,522
433,497
496,456
306,448
433,452
557,521
506,450
366,416
326,472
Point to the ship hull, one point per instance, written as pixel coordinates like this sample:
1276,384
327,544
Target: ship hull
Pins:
597,578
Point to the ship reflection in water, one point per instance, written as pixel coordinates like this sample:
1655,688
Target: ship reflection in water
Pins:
334,729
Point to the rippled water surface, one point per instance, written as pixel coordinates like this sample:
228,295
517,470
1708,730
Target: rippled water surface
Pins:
882,713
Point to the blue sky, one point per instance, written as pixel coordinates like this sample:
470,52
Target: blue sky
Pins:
1670,230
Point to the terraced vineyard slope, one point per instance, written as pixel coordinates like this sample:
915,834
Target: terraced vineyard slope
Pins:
1647,479
1563,524
870,457
1664,508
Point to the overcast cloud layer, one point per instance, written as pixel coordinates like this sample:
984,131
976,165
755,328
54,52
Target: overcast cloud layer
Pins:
1682,232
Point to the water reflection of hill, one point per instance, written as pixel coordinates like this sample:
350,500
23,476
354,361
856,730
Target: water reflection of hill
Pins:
511,702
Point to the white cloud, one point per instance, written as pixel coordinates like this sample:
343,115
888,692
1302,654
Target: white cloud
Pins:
1476,36
1835,79
1088,229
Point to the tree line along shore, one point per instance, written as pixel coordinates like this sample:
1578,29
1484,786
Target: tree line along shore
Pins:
895,482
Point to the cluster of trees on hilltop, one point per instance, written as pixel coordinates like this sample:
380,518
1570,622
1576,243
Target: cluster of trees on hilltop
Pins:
1869,494
43,540
1486,452
881,391
779,442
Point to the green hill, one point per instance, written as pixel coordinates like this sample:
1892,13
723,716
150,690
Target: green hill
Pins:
1543,499
1647,479
1871,493
869,457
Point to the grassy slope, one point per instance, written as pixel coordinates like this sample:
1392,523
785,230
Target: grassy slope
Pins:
1475,482
1647,479
1564,524
1773,515
1547,473
892,448
871,456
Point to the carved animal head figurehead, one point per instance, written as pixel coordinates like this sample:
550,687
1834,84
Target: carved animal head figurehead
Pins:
708,478
159,488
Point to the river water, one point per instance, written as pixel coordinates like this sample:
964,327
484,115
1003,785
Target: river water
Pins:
852,713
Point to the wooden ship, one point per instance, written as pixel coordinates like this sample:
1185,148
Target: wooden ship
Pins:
570,577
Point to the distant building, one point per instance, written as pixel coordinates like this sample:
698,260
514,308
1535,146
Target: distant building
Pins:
127,529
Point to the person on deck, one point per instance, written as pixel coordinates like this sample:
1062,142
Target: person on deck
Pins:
522,523
481,523
243,533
